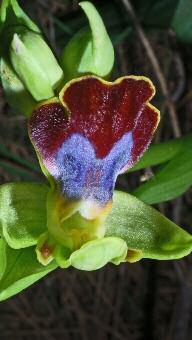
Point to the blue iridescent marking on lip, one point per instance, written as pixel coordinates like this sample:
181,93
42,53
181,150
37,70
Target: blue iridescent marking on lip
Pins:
83,176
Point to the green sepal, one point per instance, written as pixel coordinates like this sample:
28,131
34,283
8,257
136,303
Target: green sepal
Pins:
16,94
94,254
2,257
29,71
90,50
1,227
23,213
19,269
146,230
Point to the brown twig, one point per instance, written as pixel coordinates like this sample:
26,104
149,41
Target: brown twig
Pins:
156,66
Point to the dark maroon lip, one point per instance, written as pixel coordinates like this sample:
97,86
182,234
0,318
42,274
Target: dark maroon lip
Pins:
100,112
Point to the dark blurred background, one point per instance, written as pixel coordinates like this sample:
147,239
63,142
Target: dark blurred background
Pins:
148,299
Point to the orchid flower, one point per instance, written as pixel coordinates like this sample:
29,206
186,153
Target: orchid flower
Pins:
84,139
86,131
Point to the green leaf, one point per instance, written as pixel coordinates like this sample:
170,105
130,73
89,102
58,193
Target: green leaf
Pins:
90,50
145,229
170,181
160,153
182,20
94,254
23,213
163,14
158,13
20,270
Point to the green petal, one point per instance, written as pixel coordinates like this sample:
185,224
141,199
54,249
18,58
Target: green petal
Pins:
94,254
23,213
90,50
146,230
103,53
20,270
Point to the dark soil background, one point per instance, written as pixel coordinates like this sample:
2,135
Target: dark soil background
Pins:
145,300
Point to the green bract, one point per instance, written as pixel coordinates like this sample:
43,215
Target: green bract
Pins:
90,50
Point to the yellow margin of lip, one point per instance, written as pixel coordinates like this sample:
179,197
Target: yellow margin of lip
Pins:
46,102
42,166
117,81
108,83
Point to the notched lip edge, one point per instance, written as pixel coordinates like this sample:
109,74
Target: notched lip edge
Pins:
59,100
108,83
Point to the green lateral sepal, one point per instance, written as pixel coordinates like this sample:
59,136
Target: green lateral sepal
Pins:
145,230
23,213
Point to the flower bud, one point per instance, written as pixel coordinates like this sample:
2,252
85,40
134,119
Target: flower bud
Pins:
16,94
35,64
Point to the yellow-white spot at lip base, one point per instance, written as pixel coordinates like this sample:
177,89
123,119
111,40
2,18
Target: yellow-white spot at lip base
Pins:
91,210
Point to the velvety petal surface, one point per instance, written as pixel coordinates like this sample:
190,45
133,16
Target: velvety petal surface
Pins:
97,130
